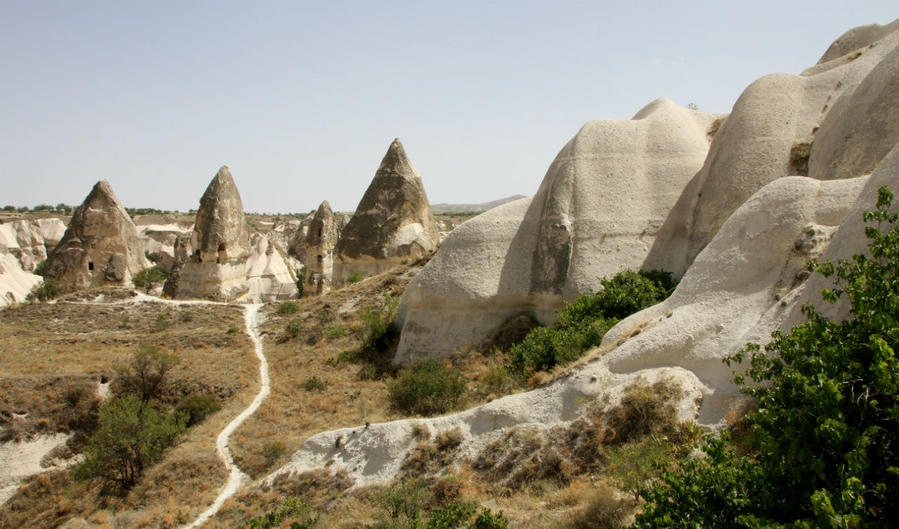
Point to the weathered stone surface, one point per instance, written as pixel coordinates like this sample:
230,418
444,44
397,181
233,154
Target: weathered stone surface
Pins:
753,147
297,245
100,246
321,240
30,241
159,242
596,213
269,274
392,223
220,245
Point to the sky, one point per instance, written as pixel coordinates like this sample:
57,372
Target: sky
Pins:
301,99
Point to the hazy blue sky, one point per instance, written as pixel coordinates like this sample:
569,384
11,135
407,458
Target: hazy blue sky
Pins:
302,99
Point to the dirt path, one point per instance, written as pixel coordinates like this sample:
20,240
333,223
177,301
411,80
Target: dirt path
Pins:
237,477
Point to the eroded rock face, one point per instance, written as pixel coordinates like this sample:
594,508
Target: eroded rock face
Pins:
100,246
321,240
772,123
597,212
220,245
30,241
269,273
393,222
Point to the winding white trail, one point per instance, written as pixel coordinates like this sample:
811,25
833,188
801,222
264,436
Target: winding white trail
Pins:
236,477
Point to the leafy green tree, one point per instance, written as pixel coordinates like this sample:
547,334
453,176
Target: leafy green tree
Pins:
148,278
827,424
131,437
47,289
145,373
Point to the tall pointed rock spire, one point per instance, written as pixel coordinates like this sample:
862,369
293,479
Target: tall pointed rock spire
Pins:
100,245
393,221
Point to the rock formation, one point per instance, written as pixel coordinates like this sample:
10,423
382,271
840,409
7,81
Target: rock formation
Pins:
597,212
320,243
30,241
780,124
159,241
746,278
393,222
219,246
269,274
100,245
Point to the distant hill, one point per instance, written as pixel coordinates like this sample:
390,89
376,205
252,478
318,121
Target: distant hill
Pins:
476,208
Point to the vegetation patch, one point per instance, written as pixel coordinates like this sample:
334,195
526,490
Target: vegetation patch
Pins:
581,324
822,449
429,388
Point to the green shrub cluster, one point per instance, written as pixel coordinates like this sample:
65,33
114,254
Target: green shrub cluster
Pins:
823,447
380,333
148,278
581,324
429,388
46,290
355,277
288,307
197,406
408,505
304,516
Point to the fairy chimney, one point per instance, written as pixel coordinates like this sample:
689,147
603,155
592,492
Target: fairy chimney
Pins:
320,242
100,245
392,224
219,245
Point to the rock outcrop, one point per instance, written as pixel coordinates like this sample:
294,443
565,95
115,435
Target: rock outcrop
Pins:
159,242
30,241
597,212
100,246
393,222
746,279
219,246
269,274
780,126
321,240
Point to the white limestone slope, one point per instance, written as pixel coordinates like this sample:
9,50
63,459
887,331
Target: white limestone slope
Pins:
596,213
268,273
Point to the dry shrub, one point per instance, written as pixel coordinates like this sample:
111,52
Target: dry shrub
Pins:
644,410
320,487
604,509
429,457
524,457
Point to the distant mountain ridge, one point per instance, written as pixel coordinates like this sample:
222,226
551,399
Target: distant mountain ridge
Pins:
478,208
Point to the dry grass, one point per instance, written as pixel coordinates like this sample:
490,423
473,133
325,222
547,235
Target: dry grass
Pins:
51,352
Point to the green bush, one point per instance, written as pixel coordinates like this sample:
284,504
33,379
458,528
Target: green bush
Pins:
131,437
294,328
46,290
288,307
826,427
314,383
355,277
148,278
301,280
407,505
427,389
145,373
303,514
582,323
380,333
335,331
197,406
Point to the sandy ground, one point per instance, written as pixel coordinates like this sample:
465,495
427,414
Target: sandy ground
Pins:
21,460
